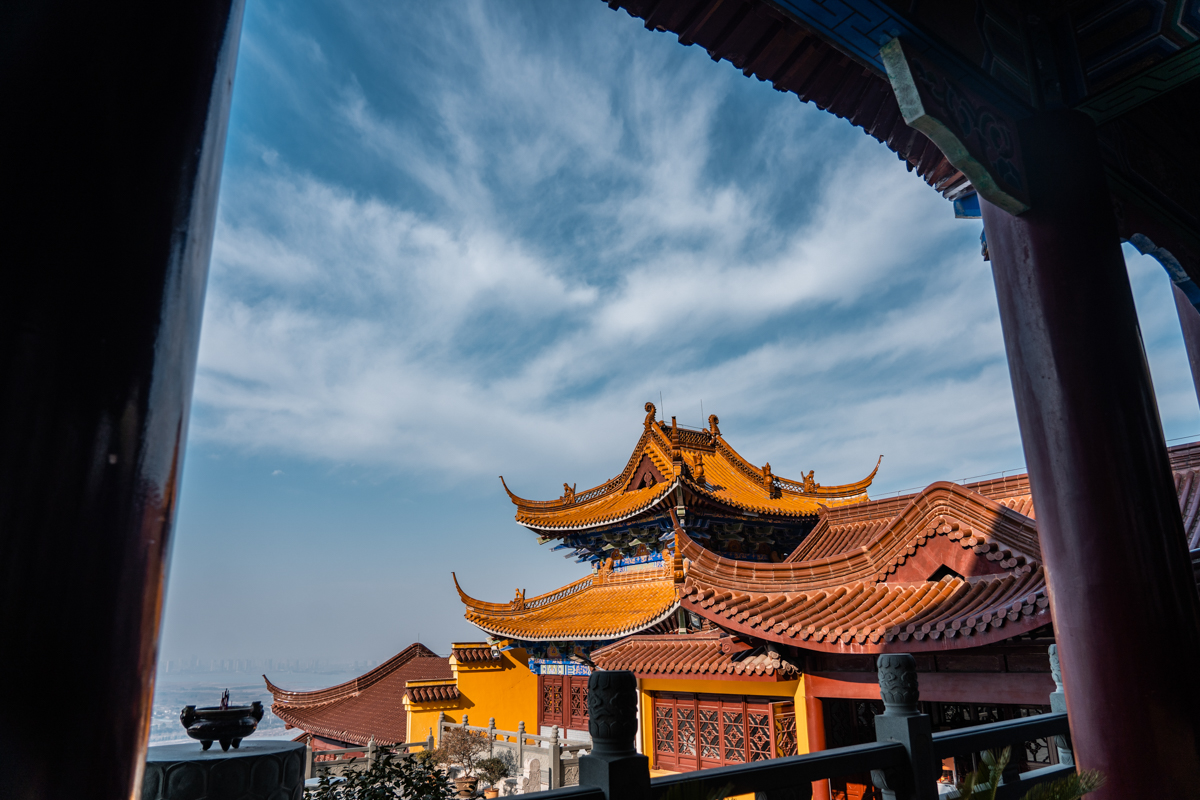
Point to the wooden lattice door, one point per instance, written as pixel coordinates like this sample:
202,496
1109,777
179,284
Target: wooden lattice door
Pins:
562,701
704,731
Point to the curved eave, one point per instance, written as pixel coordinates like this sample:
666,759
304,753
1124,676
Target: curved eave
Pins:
764,510
998,527
609,487
580,634
531,604
882,618
320,697
602,520
900,642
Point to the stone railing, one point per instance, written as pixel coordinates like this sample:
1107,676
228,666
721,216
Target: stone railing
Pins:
904,762
338,762
542,761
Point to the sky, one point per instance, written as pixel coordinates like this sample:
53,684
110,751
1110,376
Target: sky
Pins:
464,240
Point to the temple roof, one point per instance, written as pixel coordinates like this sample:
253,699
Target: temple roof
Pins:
699,461
951,566
369,706
947,567
598,607
711,655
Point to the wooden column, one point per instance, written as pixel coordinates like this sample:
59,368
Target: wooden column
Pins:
1189,323
1123,596
814,715
115,120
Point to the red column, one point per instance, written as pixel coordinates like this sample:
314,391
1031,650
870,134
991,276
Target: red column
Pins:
115,119
1189,323
814,714
1125,607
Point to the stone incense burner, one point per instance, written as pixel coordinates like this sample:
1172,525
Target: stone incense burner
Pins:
224,723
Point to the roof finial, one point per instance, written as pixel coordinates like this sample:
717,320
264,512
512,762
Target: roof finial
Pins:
650,411
712,425
676,453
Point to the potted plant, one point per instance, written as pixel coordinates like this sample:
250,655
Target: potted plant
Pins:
495,769
462,749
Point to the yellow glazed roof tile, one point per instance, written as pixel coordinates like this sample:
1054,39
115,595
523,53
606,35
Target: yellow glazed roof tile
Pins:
600,606
703,465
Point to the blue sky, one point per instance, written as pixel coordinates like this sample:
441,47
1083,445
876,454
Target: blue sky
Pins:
459,240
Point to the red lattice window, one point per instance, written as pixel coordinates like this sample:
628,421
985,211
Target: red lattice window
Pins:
579,702
704,731
758,734
563,701
710,736
552,701
785,729
733,733
685,728
664,729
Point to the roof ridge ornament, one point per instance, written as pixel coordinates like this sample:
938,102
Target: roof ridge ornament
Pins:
713,425
651,411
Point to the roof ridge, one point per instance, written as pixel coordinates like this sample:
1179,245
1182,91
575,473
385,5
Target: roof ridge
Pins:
351,687
914,525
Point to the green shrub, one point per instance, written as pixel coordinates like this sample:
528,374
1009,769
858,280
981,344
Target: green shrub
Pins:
391,776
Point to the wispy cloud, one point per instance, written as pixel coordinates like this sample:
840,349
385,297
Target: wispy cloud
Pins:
346,326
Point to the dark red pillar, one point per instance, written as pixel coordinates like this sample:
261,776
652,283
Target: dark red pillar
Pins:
814,717
1189,323
1125,606
114,128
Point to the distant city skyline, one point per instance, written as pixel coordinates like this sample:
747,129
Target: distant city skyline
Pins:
463,240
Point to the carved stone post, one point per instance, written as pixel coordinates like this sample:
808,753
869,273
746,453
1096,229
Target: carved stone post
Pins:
491,736
308,762
903,722
371,748
441,724
464,722
521,745
555,759
614,764
1058,702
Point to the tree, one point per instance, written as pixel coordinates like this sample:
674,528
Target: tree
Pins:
461,748
414,777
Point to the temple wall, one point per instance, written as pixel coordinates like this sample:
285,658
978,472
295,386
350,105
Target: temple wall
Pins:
506,691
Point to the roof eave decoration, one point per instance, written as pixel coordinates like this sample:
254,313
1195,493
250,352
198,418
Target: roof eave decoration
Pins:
700,459
599,607
352,687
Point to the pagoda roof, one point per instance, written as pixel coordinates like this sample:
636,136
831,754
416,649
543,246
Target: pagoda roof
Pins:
712,655
952,566
598,607
700,461
370,706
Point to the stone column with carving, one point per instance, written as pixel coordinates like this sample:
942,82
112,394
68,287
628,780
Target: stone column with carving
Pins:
903,722
614,764
1058,702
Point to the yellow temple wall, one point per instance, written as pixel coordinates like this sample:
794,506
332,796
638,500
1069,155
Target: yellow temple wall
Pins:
506,691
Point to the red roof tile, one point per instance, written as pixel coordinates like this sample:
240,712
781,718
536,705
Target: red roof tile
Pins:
695,655
473,653
431,693
368,706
